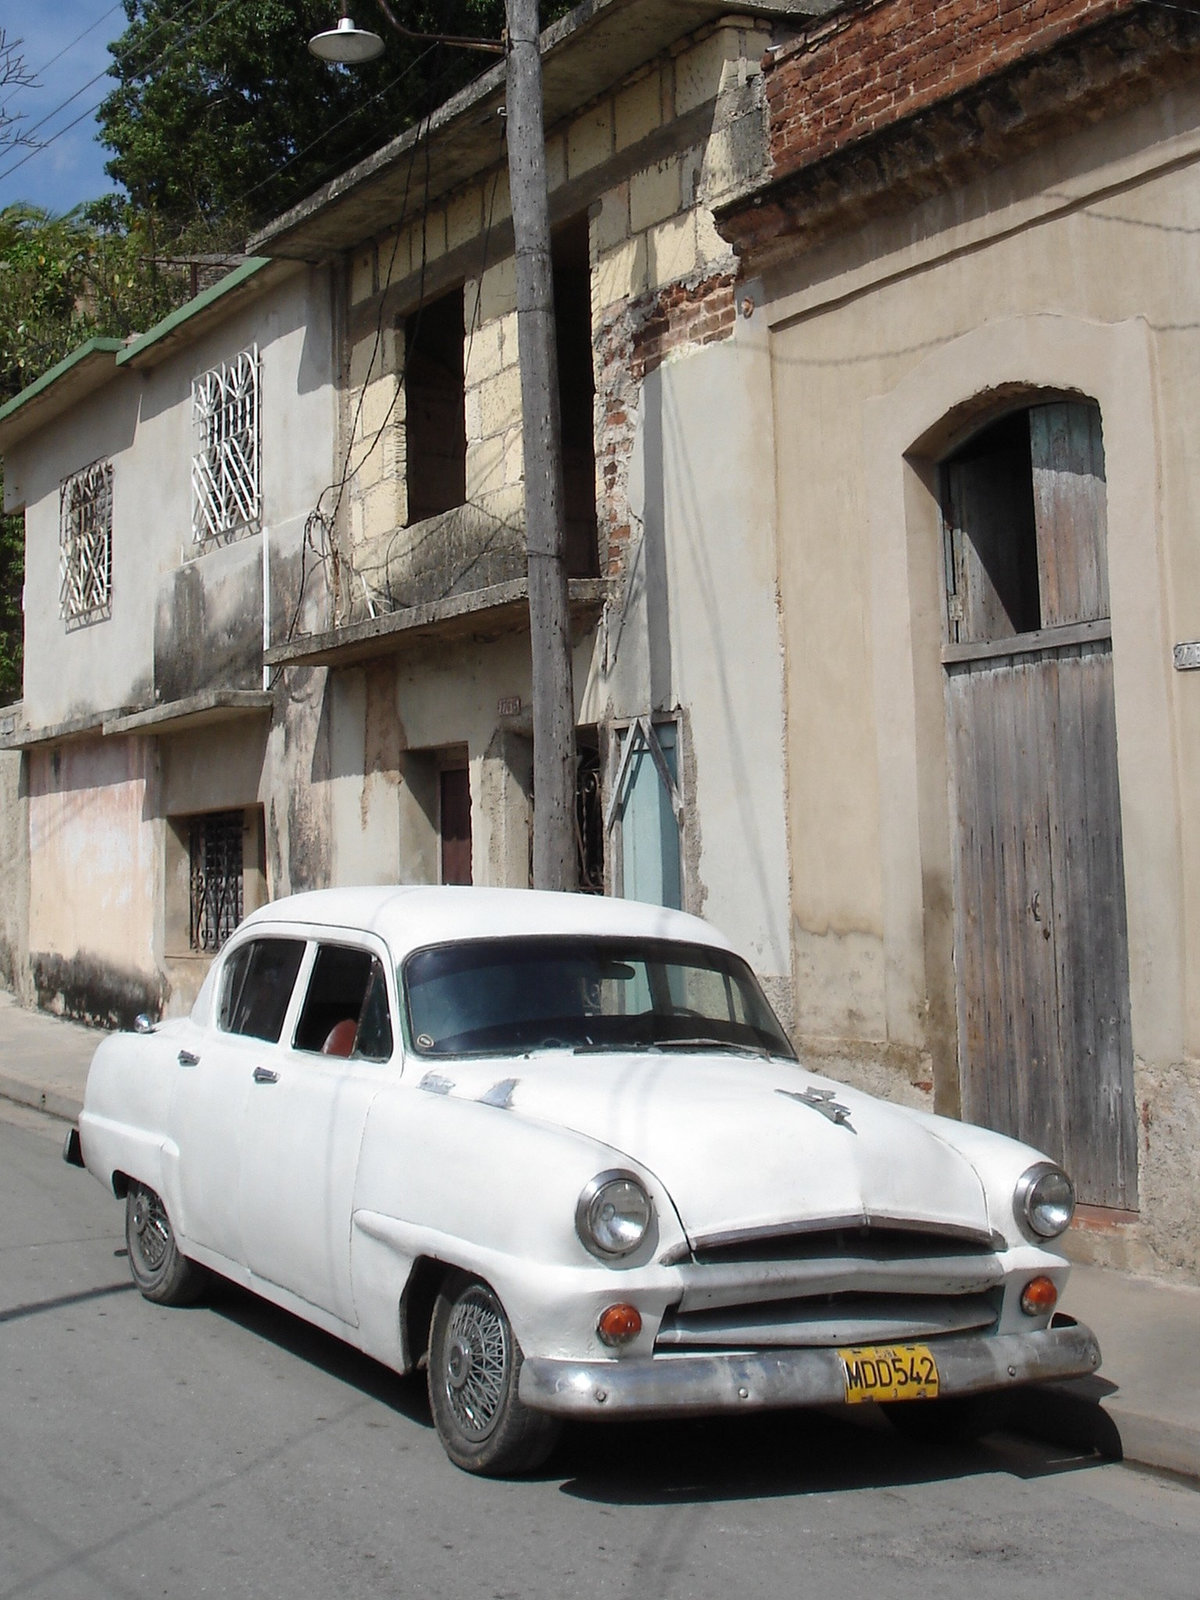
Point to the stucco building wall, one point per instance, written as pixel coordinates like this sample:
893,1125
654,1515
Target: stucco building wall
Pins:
1064,272
14,878
689,632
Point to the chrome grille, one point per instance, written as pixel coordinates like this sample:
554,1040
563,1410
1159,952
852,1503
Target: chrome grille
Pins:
845,1281
828,1319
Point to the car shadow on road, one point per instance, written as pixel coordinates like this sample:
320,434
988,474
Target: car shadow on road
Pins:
766,1455
405,1395
800,1453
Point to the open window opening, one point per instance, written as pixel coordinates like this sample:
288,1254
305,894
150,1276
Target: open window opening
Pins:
1024,511
434,407
576,392
589,811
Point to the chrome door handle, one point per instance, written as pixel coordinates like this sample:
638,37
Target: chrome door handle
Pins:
265,1075
186,1058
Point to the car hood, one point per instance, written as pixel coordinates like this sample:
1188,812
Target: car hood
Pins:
741,1144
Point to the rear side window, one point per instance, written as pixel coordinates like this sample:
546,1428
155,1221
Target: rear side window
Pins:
258,983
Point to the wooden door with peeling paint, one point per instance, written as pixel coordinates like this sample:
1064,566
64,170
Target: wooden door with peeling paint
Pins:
1041,952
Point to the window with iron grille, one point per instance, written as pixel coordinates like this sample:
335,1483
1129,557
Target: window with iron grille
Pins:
225,466
215,898
85,544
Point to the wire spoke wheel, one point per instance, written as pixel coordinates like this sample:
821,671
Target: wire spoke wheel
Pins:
477,1362
474,1373
158,1268
151,1228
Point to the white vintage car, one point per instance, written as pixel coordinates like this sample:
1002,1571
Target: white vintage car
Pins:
558,1150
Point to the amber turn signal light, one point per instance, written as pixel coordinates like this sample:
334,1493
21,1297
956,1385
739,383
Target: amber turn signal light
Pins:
1039,1297
619,1324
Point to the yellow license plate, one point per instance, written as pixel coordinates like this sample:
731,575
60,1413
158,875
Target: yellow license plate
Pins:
889,1372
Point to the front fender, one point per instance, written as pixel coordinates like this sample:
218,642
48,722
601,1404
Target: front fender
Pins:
481,1188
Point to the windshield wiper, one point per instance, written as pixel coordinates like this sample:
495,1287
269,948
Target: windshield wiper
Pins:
703,1043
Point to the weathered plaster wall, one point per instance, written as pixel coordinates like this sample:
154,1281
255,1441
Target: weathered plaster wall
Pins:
645,162
95,880
390,723
1070,270
14,878
696,624
71,670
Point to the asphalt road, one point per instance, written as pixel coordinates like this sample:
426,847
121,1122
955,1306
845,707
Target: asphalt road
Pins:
228,1450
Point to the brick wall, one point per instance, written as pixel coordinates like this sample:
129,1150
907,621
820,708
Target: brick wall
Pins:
634,338
878,61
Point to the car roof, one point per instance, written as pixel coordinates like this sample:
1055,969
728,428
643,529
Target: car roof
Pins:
411,917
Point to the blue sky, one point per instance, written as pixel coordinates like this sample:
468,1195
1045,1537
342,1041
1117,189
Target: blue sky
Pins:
64,44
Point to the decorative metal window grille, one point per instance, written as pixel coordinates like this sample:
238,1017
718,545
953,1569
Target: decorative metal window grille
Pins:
215,900
225,467
85,544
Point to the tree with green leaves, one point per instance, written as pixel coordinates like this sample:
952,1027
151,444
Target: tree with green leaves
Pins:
222,119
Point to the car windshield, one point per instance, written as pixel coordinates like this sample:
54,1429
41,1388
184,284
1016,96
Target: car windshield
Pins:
510,996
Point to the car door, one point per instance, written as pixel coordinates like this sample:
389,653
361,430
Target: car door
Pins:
302,1126
215,1070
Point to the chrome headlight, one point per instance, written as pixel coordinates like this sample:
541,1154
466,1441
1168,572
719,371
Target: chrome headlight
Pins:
1045,1200
613,1215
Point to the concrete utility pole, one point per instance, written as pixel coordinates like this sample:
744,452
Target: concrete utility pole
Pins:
554,863
554,853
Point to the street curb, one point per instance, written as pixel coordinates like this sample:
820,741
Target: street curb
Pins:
63,1106
1087,1414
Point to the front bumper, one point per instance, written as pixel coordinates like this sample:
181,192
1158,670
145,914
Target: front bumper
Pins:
698,1385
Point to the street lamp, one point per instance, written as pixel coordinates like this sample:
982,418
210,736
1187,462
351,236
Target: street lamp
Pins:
346,45
554,852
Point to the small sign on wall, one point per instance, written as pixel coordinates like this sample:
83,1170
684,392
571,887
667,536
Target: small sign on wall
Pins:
1187,656
512,707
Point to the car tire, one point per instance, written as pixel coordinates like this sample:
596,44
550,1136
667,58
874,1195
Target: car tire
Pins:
474,1369
158,1268
955,1419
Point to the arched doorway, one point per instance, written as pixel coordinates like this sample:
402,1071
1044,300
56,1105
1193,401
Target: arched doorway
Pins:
1041,947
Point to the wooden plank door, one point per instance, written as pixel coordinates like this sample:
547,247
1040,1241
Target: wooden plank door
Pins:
1041,948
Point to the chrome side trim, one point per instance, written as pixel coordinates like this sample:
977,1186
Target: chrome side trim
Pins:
670,1386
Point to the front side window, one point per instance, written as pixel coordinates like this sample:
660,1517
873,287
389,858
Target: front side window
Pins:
226,498
85,544
345,1010
505,996
256,986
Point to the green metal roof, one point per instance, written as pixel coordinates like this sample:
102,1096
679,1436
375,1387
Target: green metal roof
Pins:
68,364
193,308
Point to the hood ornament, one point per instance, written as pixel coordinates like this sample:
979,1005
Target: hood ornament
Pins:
822,1100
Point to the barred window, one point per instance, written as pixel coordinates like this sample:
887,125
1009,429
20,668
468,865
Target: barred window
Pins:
215,899
225,467
85,544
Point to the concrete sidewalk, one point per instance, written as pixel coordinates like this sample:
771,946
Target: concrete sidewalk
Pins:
1144,1404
